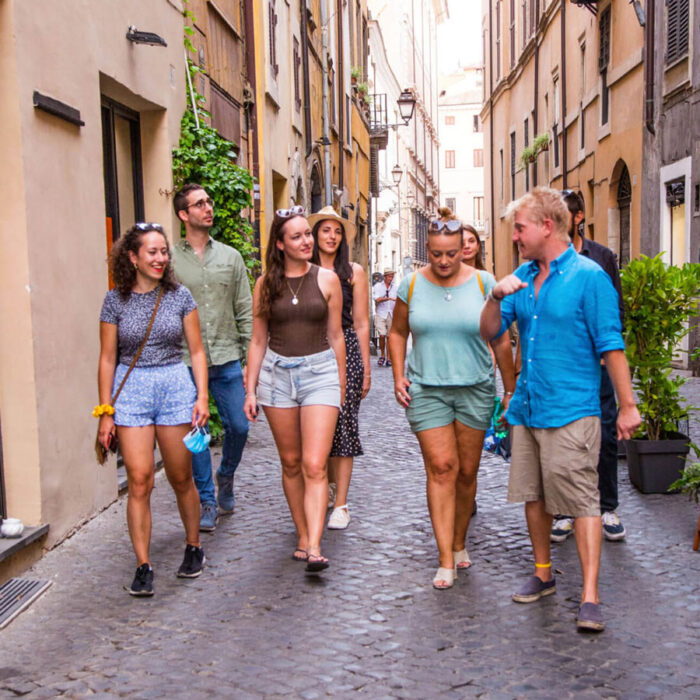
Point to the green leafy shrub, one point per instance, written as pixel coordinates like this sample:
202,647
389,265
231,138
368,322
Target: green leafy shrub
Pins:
689,482
659,302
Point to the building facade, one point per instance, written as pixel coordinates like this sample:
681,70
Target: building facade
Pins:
671,187
405,57
89,124
563,105
462,147
313,132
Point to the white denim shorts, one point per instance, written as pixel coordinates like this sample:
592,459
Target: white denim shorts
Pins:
289,382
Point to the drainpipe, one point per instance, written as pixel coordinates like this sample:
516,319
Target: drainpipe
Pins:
493,194
307,87
564,155
251,112
340,113
324,77
536,110
650,67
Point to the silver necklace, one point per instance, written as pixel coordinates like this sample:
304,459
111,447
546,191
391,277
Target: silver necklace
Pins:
448,295
295,295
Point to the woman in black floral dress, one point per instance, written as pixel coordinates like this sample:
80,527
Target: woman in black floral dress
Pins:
331,251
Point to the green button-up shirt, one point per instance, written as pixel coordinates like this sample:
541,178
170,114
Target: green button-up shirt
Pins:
219,284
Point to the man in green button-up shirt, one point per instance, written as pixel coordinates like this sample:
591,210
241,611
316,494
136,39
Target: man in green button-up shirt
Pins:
216,276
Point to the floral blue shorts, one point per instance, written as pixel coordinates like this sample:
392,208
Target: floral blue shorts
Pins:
162,395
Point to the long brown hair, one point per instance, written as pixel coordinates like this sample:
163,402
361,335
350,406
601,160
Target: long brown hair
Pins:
122,269
478,260
273,280
341,259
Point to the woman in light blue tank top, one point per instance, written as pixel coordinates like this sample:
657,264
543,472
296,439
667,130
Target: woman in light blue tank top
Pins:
447,387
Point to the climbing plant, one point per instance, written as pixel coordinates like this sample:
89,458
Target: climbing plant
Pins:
205,157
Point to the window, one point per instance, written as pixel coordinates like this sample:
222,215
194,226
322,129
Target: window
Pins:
478,157
582,127
524,30
478,211
500,153
449,120
297,65
555,144
512,33
526,142
272,27
451,203
477,124
512,165
677,29
449,159
603,62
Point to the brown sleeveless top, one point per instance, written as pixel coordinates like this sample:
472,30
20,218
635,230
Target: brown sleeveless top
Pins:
299,329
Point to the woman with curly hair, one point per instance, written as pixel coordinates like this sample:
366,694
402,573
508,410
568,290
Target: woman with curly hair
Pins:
296,363
158,401
331,252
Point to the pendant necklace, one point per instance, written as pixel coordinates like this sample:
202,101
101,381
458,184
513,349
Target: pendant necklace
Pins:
448,295
295,295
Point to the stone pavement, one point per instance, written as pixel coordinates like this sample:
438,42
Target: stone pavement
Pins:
254,626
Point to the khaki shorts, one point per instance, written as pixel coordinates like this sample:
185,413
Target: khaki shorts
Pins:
382,325
558,466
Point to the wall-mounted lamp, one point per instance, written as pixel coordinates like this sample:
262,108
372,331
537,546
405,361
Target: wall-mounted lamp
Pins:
150,38
407,103
639,11
397,174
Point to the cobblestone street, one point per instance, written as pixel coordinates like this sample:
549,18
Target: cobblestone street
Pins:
255,626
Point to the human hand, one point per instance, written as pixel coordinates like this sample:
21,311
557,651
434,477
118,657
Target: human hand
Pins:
401,392
250,407
200,412
505,402
106,431
508,285
628,420
366,382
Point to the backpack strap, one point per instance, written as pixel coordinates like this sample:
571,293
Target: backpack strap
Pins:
411,285
481,285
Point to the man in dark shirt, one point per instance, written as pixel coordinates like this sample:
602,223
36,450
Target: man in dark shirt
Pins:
607,460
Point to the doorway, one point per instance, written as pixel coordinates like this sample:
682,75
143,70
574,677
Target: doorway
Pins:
624,200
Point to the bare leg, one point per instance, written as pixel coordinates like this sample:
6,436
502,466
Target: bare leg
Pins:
588,533
469,444
317,428
539,524
286,429
136,446
341,468
439,448
382,345
177,462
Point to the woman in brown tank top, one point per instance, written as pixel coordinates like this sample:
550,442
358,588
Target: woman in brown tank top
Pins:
296,366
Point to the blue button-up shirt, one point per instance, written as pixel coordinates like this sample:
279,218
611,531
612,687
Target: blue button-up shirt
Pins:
564,330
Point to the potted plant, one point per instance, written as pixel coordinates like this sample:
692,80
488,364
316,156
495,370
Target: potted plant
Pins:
528,155
690,483
541,142
355,74
659,302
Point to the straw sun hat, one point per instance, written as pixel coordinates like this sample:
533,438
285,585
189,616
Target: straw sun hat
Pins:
329,213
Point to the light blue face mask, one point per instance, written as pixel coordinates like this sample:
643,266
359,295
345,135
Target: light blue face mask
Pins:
197,440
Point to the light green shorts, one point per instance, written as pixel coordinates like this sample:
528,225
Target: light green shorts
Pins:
437,406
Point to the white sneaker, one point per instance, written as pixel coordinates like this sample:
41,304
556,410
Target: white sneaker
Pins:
561,529
331,494
613,529
340,518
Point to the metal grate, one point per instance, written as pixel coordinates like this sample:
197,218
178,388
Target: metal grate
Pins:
16,595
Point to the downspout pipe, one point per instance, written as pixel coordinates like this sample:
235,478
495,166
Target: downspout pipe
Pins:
536,110
564,150
650,67
493,193
328,196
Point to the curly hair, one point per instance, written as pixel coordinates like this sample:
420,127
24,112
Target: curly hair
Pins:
122,269
273,280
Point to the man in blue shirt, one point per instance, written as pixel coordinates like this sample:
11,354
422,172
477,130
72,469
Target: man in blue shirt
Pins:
566,309
613,529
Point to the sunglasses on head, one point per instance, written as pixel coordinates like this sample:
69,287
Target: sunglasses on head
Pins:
452,225
296,210
144,226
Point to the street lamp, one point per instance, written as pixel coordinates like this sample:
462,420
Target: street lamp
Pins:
407,103
397,174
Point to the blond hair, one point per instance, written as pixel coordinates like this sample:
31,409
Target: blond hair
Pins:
543,203
446,213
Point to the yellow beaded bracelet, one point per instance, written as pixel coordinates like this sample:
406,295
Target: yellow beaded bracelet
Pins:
543,566
102,409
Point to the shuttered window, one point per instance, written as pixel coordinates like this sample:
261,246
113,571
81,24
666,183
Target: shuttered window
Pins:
677,29
604,53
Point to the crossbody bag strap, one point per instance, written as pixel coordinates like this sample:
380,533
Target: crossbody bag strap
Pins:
481,285
411,285
135,359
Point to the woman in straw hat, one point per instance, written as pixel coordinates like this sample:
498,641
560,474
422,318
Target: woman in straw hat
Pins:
331,251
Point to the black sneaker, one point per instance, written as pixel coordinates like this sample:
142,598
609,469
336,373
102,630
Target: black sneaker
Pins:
193,563
142,585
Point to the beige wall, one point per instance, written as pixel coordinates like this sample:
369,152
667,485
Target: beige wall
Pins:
594,169
52,270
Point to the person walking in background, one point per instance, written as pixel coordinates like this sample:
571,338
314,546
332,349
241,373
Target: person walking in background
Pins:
471,248
563,525
330,232
296,364
216,276
568,315
384,295
142,325
448,390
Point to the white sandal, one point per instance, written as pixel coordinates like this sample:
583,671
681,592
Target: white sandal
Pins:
447,575
462,560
